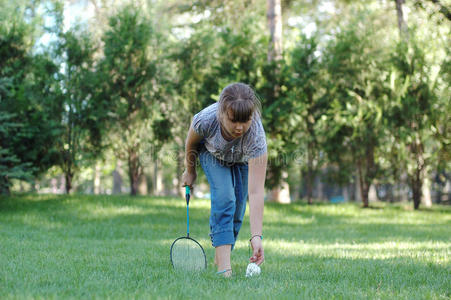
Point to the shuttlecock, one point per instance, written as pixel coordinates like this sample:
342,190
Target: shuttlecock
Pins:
252,270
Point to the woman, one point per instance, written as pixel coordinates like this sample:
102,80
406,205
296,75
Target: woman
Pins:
229,139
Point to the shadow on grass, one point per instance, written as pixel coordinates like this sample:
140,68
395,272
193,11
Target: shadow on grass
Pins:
102,217
109,217
331,223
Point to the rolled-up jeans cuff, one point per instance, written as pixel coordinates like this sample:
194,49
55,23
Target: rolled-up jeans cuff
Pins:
222,238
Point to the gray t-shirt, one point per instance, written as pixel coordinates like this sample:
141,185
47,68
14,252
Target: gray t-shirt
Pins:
252,144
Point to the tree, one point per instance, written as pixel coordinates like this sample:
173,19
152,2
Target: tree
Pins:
81,139
415,90
442,8
274,17
442,122
129,86
30,110
306,92
412,113
356,91
402,26
274,96
236,45
192,61
11,167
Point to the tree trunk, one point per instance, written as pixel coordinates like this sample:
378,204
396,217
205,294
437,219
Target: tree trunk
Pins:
367,171
281,192
346,193
96,189
68,179
311,169
372,193
142,184
357,192
403,187
446,192
157,179
310,174
62,183
416,184
117,179
34,186
416,191
426,191
274,17
364,187
402,26
416,180
319,187
134,171
4,186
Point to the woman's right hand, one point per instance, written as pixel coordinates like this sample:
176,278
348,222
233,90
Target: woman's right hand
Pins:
258,255
188,178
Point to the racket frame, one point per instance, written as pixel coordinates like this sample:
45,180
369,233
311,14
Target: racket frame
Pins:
188,238
187,198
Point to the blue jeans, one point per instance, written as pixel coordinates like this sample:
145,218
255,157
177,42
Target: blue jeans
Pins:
228,189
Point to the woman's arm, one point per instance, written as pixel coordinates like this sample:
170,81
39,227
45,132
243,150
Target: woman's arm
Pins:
192,141
256,185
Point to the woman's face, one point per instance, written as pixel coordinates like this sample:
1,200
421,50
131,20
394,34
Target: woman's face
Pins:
234,129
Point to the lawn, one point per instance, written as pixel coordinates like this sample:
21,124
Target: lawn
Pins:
118,247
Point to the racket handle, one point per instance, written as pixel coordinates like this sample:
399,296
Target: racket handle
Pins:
187,194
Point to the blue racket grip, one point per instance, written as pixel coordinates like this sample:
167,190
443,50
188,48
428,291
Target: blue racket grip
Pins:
187,194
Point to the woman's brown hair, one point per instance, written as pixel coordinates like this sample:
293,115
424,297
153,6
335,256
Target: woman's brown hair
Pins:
240,98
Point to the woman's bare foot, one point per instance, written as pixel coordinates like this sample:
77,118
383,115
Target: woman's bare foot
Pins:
226,273
222,258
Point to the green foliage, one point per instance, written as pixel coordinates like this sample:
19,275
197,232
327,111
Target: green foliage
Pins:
129,87
280,118
241,54
356,92
28,106
128,65
80,119
11,166
215,55
442,122
412,111
192,87
306,89
350,99
306,93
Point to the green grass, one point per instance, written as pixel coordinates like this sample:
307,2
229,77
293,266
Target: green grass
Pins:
118,247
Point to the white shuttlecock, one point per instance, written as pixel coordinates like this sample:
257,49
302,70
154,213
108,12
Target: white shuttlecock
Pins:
252,270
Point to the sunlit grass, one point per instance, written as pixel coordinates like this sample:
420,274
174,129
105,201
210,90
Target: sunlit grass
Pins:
118,247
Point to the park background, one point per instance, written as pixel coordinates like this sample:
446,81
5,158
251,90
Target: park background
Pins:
97,96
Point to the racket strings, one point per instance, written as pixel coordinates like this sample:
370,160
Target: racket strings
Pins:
186,254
